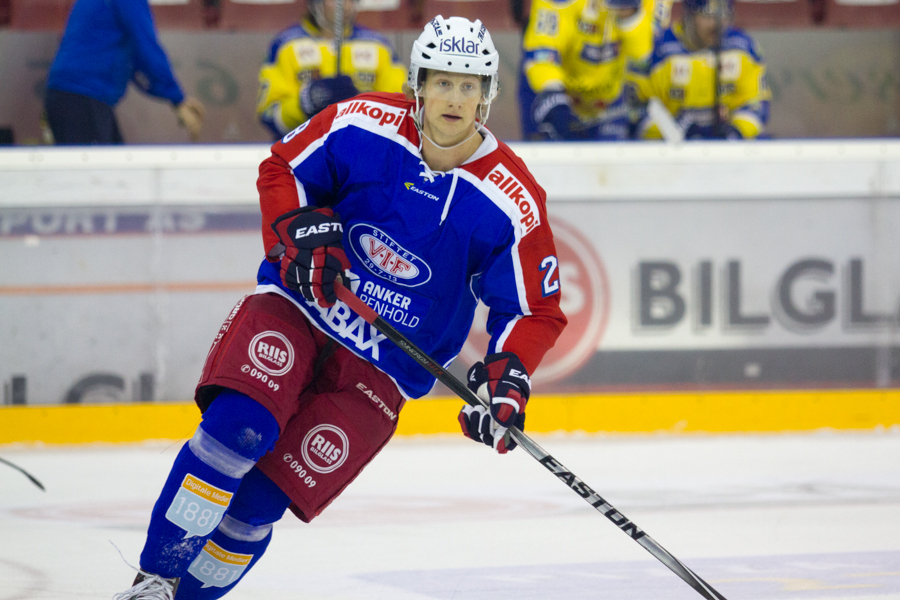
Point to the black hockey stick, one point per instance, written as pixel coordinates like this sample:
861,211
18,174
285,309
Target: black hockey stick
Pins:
23,472
538,453
718,123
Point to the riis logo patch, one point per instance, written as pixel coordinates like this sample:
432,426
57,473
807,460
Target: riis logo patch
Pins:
512,188
325,448
272,353
386,258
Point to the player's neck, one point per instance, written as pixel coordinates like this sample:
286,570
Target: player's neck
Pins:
447,156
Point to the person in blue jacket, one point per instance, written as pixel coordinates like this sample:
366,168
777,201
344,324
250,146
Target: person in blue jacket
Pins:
106,44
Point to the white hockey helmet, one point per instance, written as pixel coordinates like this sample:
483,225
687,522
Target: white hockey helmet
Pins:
456,45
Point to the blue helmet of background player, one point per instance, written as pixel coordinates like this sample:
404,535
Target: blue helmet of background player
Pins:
708,7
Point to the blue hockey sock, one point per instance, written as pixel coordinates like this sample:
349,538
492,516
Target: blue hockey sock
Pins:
236,431
224,560
238,543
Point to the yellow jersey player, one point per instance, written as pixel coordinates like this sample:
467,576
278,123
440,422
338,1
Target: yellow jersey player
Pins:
731,102
574,66
300,75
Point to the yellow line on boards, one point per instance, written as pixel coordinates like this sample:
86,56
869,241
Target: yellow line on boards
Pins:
676,412
76,424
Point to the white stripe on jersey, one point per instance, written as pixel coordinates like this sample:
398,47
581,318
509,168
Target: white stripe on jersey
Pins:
362,122
487,146
509,208
301,193
312,147
368,125
501,339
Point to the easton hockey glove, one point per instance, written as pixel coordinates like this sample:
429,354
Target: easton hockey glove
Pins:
502,381
314,253
319,93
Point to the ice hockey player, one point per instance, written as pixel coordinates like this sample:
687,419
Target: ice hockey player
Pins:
574,59
424,212
300,75
731,102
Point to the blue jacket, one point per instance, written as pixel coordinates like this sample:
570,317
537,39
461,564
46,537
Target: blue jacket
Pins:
108,43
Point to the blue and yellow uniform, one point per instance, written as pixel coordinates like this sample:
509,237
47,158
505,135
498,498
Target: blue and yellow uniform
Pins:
582,48
685,82
302,53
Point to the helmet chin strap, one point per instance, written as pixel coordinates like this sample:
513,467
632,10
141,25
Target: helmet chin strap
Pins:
435,144
418,121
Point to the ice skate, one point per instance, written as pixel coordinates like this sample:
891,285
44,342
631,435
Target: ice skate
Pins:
148,586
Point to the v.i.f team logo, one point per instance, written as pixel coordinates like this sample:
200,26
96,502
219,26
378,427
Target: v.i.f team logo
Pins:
384,257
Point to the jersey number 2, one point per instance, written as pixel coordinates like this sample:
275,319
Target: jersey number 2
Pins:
550,284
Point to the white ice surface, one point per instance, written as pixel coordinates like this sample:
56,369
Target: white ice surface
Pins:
784,517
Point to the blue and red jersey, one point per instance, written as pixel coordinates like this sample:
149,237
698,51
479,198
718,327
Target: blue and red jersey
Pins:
425,245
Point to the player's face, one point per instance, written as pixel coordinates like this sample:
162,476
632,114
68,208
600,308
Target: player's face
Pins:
707,29
451,101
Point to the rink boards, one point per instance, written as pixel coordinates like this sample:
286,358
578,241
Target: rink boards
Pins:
709,286
673,413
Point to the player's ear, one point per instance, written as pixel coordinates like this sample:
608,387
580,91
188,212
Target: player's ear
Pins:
408,91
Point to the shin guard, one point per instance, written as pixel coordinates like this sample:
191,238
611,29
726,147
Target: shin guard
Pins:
204,478
224,560
238,542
